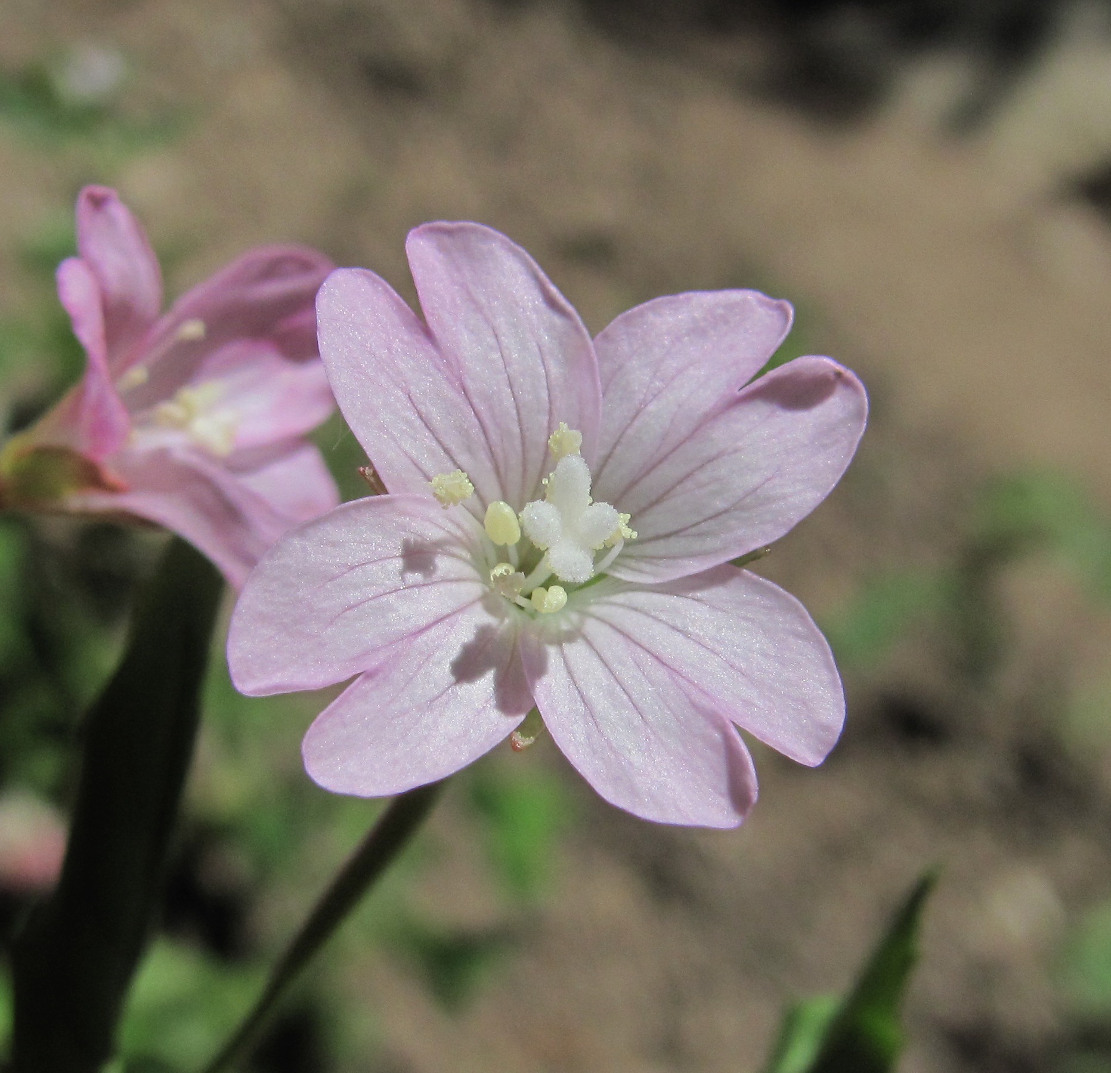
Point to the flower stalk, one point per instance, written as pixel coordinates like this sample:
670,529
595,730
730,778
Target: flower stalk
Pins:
386,839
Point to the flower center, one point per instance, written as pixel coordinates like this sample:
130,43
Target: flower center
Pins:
558,535
195,412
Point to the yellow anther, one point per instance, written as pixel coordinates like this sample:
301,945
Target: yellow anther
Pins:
191,331
451,488
506,581
548,601
564,441
193,410
501,524
527,733
622,532
134,377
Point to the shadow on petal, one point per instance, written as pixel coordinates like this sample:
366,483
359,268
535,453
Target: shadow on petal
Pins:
803,389
419,556
493,651
742,773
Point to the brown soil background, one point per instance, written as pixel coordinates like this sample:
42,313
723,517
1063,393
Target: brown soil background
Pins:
960,276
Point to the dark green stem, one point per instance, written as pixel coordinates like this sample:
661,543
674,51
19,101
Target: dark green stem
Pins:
74,959
386,839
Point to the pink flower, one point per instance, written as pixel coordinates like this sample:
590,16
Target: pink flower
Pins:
194,420
558,532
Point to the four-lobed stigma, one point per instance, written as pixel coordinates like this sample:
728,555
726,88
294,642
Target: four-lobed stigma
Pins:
559,535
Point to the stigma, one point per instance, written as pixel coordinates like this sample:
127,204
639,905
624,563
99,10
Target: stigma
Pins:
567,524
555,538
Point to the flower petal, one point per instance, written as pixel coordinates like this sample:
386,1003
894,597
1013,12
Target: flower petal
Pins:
667,364
525,359
293,480
216,513
647,739
397,393
335,591
267,397
433,702
92,418
114,246
752,649
743,477
267,295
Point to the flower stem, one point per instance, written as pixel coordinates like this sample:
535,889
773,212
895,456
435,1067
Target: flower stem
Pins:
386,839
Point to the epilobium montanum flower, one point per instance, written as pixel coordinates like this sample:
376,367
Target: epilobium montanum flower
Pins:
558,529
194,420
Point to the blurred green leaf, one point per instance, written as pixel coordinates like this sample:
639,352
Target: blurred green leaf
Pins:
800,1038
1025,511
882,612
453,963
343,455
181,1007
74,958
524,814
5,1012
1086,967
77,95
863,1034
13,643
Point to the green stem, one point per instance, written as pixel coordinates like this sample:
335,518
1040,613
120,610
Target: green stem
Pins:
386,839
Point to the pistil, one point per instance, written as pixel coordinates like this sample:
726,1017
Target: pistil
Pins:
567,527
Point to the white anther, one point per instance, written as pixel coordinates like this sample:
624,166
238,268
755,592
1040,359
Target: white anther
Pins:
564,441
501,524
548,601
451,488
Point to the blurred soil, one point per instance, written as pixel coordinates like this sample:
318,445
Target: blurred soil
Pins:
963,268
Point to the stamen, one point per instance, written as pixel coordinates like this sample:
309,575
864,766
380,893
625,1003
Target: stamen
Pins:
538,574
193,410
451,488
501,524
527,732
615,550
370,475
621,533
136,376
564,441
506,581
550,600
192,330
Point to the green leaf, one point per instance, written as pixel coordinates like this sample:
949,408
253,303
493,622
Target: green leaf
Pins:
804,1028
74,959
523,815
1087,964
863,1034
1028,510
181,1007
883,612
453,963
